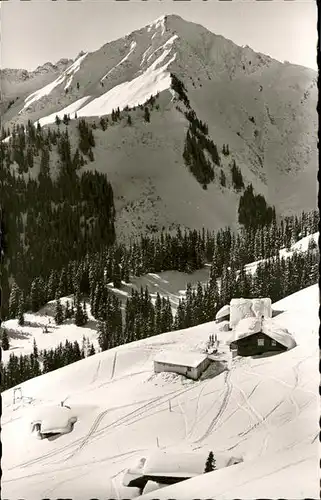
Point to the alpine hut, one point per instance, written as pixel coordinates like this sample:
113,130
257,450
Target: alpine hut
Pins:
257,336
190,364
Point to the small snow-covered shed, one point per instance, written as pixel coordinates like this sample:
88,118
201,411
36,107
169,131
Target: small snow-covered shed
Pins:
190,364
256,336
223,314
183,464
249,308
168,467
53,421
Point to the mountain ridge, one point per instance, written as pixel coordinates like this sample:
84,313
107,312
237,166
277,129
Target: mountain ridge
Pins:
263,109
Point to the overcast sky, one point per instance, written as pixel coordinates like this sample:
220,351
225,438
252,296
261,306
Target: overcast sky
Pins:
33,33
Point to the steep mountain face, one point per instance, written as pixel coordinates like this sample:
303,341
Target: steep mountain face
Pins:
263,109
16,83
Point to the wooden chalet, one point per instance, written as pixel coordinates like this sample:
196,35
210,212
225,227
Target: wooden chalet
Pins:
254,336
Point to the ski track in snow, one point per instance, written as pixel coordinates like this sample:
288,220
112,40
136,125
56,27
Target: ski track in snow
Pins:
135,416
282,382
124,420
258,417
92,430
197,409
114,365
122,377
184,417
50,471
77,441
96,372
222,409
235,410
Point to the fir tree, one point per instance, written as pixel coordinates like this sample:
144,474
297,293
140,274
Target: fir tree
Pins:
14,300
5,340
91,351
103,123
35,349
80,317
103,336
210,463
21,307
67,311
117,276
59,316
146,114
222,179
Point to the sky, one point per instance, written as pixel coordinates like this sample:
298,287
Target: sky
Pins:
33,33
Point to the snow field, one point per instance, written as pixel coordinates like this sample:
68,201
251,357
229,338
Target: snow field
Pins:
261,409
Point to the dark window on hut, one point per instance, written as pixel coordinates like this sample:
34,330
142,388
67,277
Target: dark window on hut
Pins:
260,342
273,342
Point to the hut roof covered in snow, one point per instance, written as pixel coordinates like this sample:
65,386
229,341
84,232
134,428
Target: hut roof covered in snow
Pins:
281,335
55,419
223,312
192,359
250,326
183,464
246,327
249,308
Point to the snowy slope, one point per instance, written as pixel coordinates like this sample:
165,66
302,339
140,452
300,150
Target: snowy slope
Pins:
262,409
269,477
300,246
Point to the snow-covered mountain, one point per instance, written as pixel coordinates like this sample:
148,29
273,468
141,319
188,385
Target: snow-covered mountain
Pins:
263,109
262,410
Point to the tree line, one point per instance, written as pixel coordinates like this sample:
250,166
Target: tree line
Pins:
184,251
18,369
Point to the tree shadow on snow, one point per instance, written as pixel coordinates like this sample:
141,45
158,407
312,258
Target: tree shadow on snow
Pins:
14,334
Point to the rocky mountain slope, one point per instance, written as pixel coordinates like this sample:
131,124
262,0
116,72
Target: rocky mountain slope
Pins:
263,109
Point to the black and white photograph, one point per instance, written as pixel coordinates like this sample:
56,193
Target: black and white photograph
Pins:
159,250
